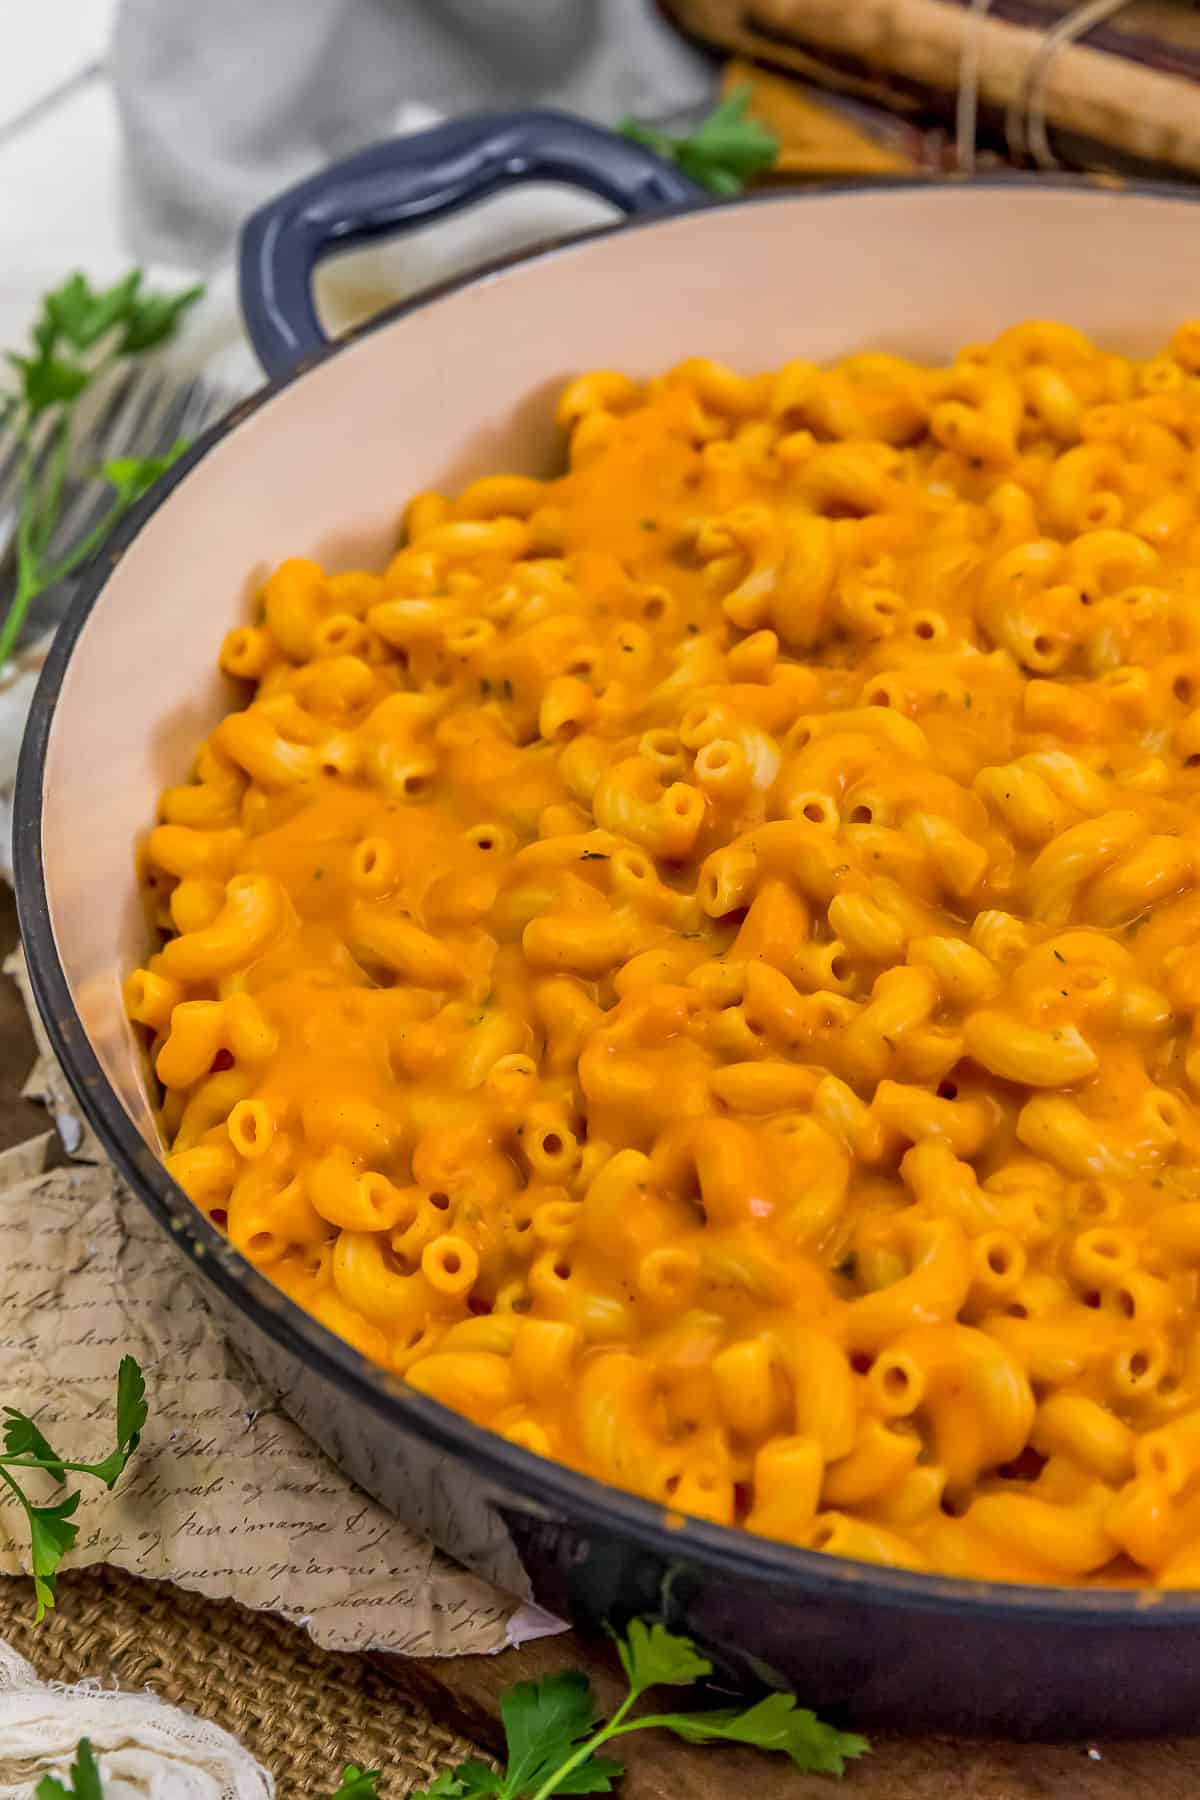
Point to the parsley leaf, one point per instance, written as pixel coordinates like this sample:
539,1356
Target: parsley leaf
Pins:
84,1777
80,334
357,1784
468,1780
774,1723
22,1438
545,1723
132,476
83,316
51,1535
47,381
652,1656
131,1417
132,1407
724,152
25,1446
153,319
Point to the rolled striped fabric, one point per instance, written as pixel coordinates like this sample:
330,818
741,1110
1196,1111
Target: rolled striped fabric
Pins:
1107,84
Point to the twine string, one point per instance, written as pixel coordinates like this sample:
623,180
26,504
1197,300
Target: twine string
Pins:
1025,122
966,114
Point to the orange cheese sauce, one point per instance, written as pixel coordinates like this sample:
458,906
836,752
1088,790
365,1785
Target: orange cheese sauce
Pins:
696,965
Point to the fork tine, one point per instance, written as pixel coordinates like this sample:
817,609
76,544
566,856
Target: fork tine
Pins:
207,405
9,447
188,409
100,420
126,430
9,476
146,392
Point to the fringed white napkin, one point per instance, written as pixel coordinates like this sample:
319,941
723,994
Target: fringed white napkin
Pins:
145,1750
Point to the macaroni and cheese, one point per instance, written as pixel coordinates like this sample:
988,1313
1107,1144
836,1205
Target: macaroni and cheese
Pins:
697,965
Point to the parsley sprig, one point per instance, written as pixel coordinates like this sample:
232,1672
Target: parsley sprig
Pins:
357,1784
84,1778
25,1448
723,153
80,335
553,1731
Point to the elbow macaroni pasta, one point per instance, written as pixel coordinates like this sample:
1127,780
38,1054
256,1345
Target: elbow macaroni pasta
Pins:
697,965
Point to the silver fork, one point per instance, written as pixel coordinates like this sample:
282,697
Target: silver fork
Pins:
139,412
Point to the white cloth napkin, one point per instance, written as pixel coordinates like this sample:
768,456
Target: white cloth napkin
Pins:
145,1750
225,103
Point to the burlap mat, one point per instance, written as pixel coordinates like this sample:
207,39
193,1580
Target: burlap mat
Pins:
301,1711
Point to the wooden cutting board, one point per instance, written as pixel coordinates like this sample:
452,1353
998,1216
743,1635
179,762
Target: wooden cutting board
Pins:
465,1692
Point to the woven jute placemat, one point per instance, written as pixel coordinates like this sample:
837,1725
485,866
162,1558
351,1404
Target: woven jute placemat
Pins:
303,1712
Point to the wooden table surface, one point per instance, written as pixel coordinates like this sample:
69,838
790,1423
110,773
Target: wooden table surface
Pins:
465,1691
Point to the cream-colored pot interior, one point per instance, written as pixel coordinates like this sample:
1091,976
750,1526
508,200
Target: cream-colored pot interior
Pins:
465,386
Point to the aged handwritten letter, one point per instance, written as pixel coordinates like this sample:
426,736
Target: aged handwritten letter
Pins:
226,1495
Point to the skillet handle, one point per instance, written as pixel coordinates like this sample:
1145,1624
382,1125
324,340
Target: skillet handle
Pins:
399,184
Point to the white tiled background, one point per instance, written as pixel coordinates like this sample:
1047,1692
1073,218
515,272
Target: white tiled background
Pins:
59,142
